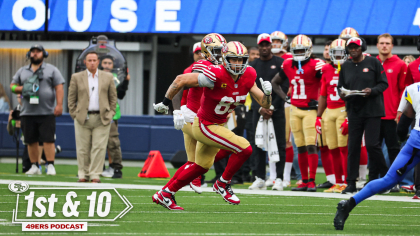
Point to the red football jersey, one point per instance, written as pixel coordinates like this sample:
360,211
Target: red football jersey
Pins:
329,83
226,94
287,56
194,94
304,86
185,92
413,72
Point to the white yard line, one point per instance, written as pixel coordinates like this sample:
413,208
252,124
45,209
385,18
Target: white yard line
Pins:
210,189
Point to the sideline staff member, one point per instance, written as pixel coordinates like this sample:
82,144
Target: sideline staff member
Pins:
39,111
364,112
92,101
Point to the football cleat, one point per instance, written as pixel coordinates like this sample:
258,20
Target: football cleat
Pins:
340,189
155,197
51,170
269,182
350,189
331,190
301,187
327,184
311,187
258,184
225,190
408,188
167,200
278,185
196,185
343,211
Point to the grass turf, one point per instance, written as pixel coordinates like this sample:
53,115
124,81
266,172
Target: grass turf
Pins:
209,214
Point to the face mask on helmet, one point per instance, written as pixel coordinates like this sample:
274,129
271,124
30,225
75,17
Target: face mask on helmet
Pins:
215,56
338,56
301,54
278,46
234,64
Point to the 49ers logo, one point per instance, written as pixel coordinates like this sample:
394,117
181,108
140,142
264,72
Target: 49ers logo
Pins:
207,40
225,49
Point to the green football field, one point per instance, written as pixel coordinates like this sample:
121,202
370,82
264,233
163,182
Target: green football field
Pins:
208,214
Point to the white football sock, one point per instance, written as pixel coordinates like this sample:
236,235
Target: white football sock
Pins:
273,171
287,170
331,179
362,172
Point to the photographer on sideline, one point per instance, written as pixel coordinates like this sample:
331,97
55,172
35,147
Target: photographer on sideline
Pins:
41,85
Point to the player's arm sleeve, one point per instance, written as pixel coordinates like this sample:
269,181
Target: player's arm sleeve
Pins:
318,68
204,81
403,102
381,80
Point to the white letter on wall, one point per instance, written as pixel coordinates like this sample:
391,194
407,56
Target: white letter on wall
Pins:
123,10
23,23
76,25
166,15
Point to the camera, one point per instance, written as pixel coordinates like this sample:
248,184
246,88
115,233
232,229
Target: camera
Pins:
16,113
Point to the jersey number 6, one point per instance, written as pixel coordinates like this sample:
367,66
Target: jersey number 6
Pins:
226,102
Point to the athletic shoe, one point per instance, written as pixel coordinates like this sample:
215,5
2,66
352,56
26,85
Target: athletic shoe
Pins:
278,185
167,200
270,182
225,190
33,171
350,189
360,184
311,187
343,211
340,189
331,190
117,174
395,189
108,172
258,184
301,187
51,169
196,185
327,184
408,188
417,195
286,184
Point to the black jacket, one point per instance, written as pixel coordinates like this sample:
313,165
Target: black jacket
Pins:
267,70
368,73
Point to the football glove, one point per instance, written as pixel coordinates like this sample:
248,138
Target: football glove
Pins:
287,100
161,108
266,86
179,120
313,103
345,127
318,125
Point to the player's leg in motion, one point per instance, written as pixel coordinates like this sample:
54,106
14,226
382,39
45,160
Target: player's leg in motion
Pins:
405,161
190,144
217,136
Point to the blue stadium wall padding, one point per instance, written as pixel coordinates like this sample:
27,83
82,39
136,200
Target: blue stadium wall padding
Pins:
138,135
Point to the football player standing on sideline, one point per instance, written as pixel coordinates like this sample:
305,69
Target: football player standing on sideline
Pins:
364,112
266,67
219,84
304,74
279,45
395,70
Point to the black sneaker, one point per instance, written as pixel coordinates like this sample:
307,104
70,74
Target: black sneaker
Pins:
327,184
117,174
343,211
350,189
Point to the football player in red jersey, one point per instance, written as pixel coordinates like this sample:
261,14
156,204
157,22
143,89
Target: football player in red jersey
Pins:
197,55
224,87
210,47
279,45
304,74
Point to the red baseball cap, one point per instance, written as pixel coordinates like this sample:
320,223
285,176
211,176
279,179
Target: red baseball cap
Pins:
354,40
264,37
197,47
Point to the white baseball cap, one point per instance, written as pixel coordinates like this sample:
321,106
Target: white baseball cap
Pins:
197,47
264,37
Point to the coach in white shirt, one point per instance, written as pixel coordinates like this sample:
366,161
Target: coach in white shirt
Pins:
92,99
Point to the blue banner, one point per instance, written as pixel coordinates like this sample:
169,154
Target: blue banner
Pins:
311,17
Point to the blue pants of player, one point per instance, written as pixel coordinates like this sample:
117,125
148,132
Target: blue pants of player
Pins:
392,178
